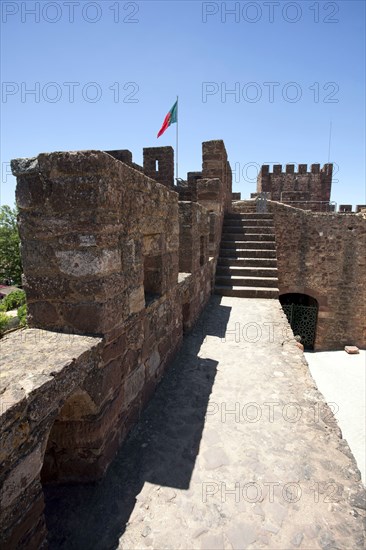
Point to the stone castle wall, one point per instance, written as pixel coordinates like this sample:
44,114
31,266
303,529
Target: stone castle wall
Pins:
324,256
212,188
159,164
45,376
294,187
110,253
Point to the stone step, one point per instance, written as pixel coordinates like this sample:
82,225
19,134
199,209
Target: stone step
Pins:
237,245
229,229
248,253
258,282
251,235
248,215
248,221
247,292
240,226
255,222
247,262
252,271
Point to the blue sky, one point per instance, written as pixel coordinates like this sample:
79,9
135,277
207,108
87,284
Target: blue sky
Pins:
105,74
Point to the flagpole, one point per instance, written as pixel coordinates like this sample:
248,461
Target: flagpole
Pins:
330,140
176,153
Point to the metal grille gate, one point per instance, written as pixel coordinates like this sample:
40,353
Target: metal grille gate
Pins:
303,322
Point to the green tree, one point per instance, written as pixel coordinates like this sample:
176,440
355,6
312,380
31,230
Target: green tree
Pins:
10,262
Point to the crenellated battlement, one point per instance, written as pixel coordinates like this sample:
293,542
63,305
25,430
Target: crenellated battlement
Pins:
117,252
302,169
292,183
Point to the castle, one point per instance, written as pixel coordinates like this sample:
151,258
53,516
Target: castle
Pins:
118,264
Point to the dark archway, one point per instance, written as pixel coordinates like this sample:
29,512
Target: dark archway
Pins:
68,439
302,314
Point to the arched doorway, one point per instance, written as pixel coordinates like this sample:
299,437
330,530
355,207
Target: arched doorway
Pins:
302,314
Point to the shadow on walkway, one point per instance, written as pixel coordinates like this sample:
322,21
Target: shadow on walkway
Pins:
161,449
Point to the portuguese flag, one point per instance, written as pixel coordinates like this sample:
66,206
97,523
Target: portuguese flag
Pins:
170,118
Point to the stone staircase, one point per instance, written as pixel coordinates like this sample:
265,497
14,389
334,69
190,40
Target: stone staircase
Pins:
247,263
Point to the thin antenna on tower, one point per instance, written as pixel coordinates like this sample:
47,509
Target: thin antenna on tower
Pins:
330,140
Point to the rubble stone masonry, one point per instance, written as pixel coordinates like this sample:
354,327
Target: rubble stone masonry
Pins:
324,256
292,186
115,269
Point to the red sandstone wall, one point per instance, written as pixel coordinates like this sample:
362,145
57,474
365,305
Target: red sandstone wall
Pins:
106,251
212,188
100,254
40,371
196,271
100,249
215,165
324,256
290,186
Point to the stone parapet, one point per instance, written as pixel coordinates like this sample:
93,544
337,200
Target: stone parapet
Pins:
105,251
323,256
159,164
42,374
